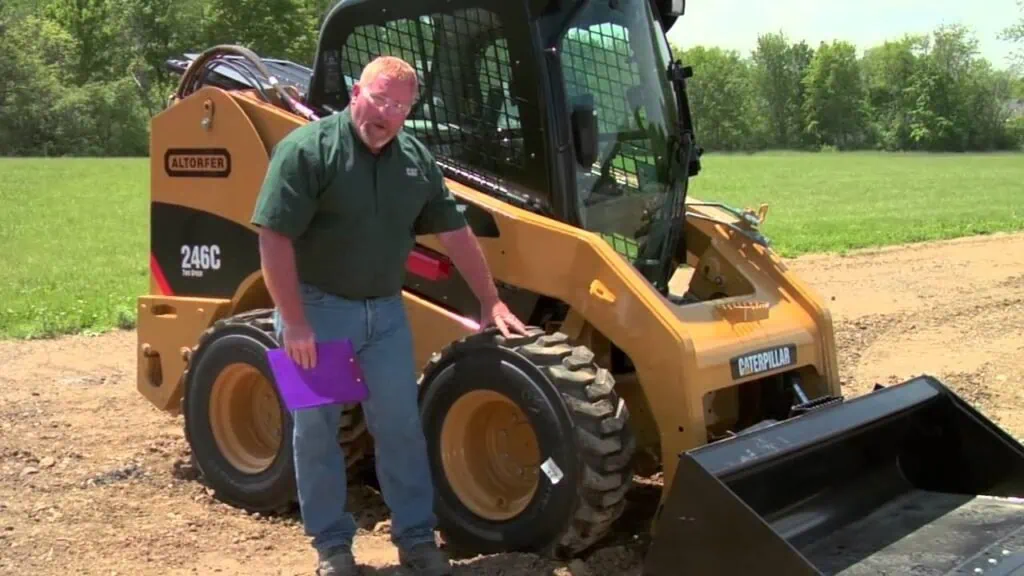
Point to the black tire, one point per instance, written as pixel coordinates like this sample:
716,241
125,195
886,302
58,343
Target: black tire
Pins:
242,341
579,421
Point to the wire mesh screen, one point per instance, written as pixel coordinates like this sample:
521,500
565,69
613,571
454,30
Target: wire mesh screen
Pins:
621,193
598,61
467,112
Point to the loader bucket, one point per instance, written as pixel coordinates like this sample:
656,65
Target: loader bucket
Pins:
906,480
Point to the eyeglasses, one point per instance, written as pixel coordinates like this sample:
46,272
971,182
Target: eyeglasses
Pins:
387,104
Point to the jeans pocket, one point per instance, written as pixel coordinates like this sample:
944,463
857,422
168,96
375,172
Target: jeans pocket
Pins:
311,295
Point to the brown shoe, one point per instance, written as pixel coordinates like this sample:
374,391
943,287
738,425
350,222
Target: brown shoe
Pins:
425,560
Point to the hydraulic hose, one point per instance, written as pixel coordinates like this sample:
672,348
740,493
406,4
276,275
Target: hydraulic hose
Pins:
191,80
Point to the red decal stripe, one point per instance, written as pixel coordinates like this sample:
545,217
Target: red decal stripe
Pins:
429,267
158,275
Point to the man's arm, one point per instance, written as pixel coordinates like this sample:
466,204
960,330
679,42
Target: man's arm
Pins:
442,218
463,248
277,261
284,208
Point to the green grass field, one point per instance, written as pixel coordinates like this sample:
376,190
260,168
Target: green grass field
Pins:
74,239
74,232
837,202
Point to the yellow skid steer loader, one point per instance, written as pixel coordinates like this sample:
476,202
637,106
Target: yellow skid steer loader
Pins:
667,335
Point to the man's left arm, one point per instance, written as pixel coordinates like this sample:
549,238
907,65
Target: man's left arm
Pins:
462,247
441,217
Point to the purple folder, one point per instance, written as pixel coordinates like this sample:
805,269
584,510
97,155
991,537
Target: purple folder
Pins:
336,378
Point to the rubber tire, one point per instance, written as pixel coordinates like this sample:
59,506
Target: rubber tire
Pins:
246,338
580,423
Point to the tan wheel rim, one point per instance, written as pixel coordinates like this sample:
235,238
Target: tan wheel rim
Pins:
490,454
245,416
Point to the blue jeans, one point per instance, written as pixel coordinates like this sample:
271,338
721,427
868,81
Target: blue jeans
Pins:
380,334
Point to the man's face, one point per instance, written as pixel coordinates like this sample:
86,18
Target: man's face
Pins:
379,108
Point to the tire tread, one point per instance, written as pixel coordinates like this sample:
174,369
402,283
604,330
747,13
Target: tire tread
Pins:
607,444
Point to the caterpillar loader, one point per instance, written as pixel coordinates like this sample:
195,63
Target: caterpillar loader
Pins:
666,335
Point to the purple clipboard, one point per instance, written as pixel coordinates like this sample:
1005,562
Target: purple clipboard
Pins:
336,378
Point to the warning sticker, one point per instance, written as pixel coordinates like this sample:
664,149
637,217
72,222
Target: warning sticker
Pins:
554,473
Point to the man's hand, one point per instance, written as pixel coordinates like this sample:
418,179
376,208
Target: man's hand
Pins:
498,314
278,264
464,250
300,343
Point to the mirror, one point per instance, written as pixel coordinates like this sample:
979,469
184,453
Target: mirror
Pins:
584,130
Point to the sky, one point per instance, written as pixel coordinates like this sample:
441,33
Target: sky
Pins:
735,24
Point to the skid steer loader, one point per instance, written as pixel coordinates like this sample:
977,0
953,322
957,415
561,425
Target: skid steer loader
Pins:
666,334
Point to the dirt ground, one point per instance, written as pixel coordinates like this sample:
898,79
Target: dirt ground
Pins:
93,480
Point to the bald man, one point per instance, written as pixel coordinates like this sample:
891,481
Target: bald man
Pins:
338,212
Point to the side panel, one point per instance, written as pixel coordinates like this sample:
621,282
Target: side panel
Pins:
205,155
207,164
201,253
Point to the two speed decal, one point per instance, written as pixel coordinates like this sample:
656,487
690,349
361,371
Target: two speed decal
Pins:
195,259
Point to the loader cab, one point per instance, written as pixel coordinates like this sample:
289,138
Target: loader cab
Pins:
570,108
480,104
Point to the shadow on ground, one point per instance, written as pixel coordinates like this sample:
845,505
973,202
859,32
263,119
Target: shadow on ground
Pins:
622,552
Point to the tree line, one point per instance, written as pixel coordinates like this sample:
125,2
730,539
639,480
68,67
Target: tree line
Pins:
917,93
83,78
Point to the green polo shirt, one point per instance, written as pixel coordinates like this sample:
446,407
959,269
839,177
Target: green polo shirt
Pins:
353,216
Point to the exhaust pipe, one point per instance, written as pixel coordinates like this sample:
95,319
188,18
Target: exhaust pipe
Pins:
909,479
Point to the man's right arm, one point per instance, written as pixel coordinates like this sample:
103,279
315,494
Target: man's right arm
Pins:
277,257
284,208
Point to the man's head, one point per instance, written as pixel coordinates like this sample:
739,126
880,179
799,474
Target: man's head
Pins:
382,98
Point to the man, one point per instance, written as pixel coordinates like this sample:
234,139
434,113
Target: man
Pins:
338,213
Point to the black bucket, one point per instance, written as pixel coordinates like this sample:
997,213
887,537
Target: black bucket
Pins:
906,480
